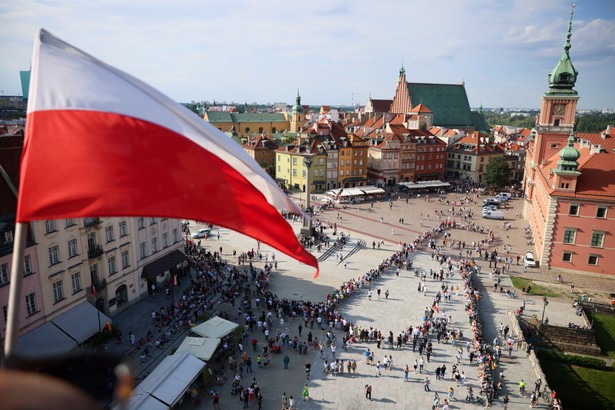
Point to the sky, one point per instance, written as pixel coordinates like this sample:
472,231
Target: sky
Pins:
335,52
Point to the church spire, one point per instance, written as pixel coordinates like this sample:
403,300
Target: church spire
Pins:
568,157
564,75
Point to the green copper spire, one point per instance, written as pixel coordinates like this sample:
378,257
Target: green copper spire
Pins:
564,75
568,157
402,70
298,107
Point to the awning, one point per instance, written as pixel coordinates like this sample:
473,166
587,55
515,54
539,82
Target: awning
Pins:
171,378
143,402
162,264
63,333
201,347
354,179
216,327
372,190
45,340
81,322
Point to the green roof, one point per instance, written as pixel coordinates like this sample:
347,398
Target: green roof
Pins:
236,117
480,124
448,102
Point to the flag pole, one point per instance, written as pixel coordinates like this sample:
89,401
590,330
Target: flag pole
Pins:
12,328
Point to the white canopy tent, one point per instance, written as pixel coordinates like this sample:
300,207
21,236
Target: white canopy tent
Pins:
168,382
216,327
143,402
201,347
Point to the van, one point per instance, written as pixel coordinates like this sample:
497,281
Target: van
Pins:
508,195
493,215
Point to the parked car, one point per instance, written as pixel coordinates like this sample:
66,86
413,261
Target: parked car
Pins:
528,260
508,195
201,233
490,200
489,208
493,215
501,198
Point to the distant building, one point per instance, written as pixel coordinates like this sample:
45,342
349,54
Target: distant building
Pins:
570,182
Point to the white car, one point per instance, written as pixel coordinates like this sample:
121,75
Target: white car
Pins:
201,233
499,215
528,260
487,208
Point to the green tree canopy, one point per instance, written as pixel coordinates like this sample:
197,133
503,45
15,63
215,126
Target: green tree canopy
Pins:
496,173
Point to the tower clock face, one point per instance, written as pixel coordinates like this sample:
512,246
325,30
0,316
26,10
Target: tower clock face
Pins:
558,109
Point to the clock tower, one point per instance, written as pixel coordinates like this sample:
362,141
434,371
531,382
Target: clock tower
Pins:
557,114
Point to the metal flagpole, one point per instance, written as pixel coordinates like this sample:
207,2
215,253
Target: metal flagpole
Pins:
19,246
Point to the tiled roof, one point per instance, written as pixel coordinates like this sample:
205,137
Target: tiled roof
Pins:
448,102
421,108
381,105
236,117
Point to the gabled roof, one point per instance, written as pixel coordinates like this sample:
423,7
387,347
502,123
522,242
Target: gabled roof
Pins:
448,102
421,109
381,105
236,117
261,142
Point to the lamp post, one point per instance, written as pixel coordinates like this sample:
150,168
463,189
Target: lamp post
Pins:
172,286
307,230
545,302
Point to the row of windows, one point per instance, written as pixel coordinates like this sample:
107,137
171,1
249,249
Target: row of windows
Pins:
591,259
575,210
597,239
5,272
50,227
31,307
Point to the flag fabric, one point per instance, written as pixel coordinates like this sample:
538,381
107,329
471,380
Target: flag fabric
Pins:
100,142
337,197
174,280
94,290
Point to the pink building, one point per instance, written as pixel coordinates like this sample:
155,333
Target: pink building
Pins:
570,182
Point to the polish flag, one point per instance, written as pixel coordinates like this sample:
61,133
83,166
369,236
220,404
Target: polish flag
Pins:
100,142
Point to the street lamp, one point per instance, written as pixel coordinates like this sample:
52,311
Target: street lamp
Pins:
307,230
545,302
172,286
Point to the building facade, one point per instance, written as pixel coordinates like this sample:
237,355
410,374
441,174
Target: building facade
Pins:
569,182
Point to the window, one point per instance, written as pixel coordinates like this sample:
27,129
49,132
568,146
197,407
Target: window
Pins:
111,265
92,242
597,239
175,235
8,236
569,235
94,273
76,281
165,239
294,161
31,304
125,261
601,213
567,257
4,274
72,248
27,269
554,145
143,249
592,260
5,313
69,223
123,229
153,221
58,292
54,255
141,223
50,226
574,210
154,245
109,233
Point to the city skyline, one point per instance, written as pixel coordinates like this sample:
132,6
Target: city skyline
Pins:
334,54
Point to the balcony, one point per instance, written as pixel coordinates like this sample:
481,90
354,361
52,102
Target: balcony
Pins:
100,285
95,251
91,222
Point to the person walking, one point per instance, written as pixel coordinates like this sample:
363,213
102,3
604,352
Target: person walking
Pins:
426,384
286,361
421,365
368,391
406,371
306,392
308,367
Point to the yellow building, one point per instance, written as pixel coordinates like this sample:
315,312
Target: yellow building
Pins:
248,124
291,170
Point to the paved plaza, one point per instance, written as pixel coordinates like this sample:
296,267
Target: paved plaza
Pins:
381,223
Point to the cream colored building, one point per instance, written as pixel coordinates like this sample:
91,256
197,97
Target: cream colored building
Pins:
108,256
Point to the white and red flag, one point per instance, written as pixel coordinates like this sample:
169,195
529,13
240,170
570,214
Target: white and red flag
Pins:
100,142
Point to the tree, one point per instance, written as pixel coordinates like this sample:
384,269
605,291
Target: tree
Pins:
496,173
